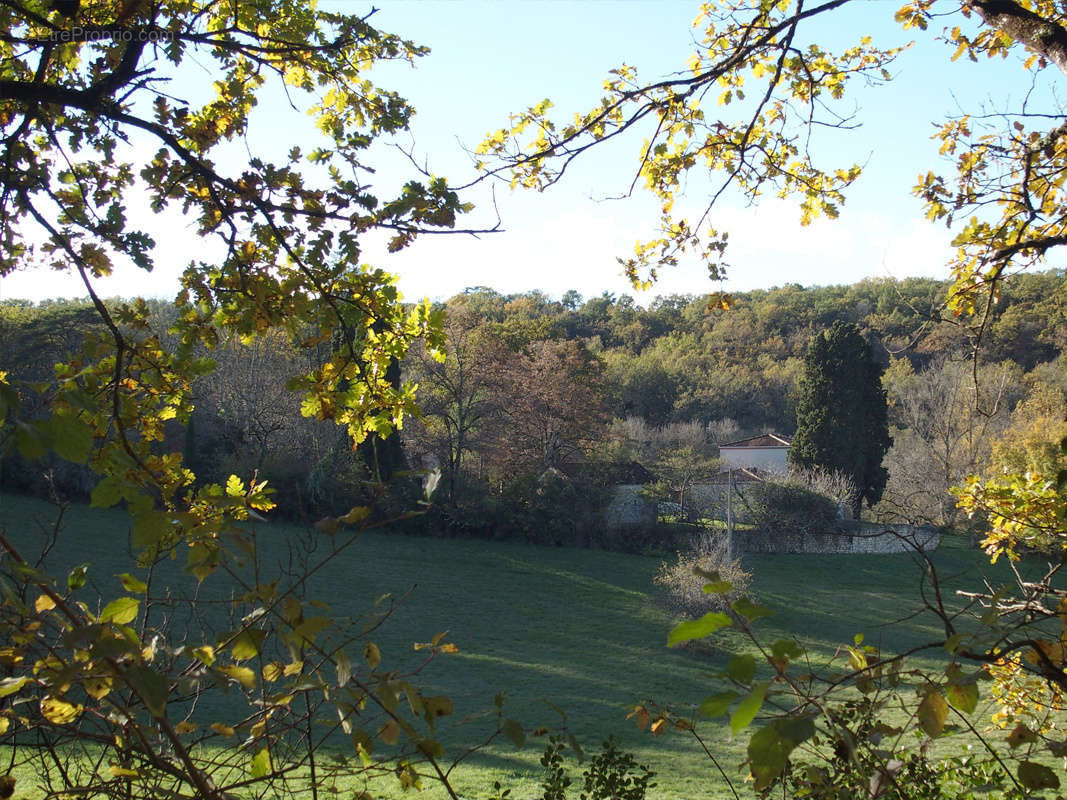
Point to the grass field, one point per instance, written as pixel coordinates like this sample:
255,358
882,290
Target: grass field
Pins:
576,628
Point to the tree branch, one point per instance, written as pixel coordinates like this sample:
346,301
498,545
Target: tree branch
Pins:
1044,36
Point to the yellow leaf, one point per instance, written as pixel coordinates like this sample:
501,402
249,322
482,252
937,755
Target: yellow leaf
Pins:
295,668
59,712
122,772
222,729
185,727
44,603
272,671
355,515
243,675
97,687
235,487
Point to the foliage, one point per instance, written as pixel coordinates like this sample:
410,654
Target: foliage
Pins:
1030,443
612,774
830,730
945,420
90,127
842,422
551,405
786,505
459,396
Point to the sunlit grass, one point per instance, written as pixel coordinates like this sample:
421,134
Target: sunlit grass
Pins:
576,629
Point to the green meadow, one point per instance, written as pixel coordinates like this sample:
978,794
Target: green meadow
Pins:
554,627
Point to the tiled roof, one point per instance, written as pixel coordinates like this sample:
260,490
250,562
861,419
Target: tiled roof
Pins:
766,440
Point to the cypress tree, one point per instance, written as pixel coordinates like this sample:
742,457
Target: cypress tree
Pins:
842,419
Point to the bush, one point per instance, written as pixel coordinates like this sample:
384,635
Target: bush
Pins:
684,589
787,506
614,774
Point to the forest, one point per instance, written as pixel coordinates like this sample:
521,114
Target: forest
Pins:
587,385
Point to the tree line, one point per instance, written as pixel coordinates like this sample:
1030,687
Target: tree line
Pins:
536,396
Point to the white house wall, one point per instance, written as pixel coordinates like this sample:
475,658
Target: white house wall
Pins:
771,459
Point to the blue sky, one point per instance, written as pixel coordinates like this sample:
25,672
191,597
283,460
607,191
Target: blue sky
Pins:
492,58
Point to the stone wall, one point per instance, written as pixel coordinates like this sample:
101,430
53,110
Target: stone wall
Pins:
629,509
851,538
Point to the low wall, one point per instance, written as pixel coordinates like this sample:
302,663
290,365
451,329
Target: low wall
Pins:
850,539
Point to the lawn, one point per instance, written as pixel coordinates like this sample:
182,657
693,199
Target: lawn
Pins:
576,628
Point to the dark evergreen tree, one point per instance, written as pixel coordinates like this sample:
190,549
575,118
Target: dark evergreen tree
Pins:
842,420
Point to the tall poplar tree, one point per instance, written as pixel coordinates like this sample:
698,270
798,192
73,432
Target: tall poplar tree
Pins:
842,420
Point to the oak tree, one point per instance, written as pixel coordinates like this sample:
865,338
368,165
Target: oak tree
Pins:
111,108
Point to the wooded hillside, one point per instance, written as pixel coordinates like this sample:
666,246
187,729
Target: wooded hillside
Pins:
579,386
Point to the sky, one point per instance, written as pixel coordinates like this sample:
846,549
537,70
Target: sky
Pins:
489,59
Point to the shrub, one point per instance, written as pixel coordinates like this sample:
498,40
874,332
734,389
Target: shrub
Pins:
684,589
835,485
787,506
614,774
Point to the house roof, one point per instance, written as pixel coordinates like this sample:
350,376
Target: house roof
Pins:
609,474
741,475
764,440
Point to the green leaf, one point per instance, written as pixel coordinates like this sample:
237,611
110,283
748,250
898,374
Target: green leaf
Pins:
786,649
152,688
770,747
71,437
795,729
715,583
513,731
768,752
741,668
31,440
106,493
260,763
963,696
149,529
933,711
749,610
717,704
718,587
76,577
1037,776
133,584
247,644
121,611
768,755
698,628
748,708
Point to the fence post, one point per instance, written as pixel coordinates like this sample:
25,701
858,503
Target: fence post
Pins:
729,515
